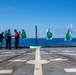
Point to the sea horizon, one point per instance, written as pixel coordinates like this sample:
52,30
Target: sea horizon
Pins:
43,42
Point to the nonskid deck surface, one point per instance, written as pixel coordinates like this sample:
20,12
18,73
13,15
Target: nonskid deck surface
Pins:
39,61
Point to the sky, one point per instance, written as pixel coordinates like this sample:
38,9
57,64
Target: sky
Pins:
57,15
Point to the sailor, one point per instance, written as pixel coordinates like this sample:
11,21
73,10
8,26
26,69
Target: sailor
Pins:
16,39
1,38
8,39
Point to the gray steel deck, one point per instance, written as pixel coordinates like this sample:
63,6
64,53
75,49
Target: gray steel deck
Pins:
40,61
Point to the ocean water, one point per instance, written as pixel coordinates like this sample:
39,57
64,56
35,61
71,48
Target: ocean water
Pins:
43,42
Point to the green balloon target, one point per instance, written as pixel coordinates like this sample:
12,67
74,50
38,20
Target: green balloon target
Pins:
49,34
68,35
23,34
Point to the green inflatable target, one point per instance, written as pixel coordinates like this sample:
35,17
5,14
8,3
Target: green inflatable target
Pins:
23,35
68,35
49,34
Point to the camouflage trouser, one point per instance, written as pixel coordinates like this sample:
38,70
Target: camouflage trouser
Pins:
16,43
0,44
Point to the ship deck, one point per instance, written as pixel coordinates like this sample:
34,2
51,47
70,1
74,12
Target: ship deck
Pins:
38,61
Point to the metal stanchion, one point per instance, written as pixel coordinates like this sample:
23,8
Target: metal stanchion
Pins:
36,36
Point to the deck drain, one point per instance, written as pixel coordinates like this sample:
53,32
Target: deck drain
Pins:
24,73
37,69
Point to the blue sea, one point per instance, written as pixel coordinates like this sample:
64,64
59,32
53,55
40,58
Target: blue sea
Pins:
43,42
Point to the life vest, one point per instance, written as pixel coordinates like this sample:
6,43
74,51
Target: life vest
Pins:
16,35
6,35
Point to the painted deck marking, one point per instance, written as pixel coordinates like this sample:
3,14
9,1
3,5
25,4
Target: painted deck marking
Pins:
5,71
17,60
58,59
38,63
38,66
70,69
